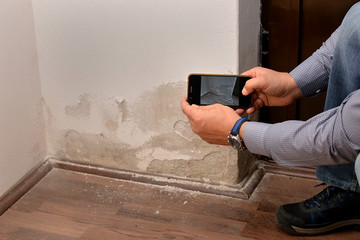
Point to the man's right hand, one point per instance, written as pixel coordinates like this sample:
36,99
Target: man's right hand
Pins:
269,88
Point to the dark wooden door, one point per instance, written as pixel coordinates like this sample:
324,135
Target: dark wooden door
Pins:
296,28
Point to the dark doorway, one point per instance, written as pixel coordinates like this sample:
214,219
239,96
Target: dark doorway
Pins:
292,31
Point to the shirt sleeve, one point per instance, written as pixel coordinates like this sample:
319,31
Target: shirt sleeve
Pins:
329,138
312,75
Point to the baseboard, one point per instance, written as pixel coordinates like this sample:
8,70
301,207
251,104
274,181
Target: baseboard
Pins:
243,190
304,172
24,185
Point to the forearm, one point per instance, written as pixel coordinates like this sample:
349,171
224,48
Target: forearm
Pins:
330,138
312,75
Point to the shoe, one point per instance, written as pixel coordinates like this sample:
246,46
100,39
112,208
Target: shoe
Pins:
331,209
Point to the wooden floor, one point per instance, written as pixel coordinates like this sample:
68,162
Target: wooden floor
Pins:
68,205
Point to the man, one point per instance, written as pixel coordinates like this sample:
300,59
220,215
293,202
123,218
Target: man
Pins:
330,140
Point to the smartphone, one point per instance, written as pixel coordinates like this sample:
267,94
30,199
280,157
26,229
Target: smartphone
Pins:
207,89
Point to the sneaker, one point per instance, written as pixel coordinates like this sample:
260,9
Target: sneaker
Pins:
331,209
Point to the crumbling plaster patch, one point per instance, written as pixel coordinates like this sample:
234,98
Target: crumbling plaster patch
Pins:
148,134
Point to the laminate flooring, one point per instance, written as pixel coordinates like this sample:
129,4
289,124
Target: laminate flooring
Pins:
69,205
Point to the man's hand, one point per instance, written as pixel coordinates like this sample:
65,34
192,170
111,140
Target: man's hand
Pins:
269,88
212,123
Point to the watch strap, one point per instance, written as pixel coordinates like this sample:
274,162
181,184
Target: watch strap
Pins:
237,126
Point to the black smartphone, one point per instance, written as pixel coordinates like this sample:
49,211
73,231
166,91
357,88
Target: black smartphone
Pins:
207,89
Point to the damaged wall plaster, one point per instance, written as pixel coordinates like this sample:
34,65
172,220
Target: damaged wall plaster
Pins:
163,143
113,75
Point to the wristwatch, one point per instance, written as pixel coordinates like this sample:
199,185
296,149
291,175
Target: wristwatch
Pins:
234,137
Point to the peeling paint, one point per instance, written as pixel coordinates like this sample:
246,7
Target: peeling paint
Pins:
214,166
147,134
183,128
122,106
158,109
80,110
163,154
97,149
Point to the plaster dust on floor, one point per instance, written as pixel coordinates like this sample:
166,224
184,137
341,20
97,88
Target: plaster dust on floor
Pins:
148,134
116,187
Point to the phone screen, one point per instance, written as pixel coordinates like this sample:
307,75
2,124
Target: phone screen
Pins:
223,89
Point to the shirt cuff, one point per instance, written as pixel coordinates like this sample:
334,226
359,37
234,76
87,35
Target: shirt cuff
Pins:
310,77
254,137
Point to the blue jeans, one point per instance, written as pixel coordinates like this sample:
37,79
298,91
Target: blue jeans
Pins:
344,78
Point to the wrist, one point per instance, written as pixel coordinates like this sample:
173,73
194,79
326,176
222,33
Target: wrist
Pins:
294,88
234,137
241,132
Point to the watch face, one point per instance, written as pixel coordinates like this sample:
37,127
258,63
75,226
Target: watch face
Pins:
234,142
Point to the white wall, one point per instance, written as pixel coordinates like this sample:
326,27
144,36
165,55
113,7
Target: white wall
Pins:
109,75
113,73
22,127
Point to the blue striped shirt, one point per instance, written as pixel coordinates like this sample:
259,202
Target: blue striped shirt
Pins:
329,138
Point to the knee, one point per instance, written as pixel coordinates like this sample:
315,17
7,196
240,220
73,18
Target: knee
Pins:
349,34
354,10
352,17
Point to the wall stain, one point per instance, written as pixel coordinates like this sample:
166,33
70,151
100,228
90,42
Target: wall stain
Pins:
81,109
160,107
183,128
122,107
167,144
97,149
38,132
111,110
214,166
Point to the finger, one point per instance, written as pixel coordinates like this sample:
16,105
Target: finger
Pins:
249,87
185,106
251,110
252,85
259,103
240,111
184,102
254,96
256,105
211,106
250,73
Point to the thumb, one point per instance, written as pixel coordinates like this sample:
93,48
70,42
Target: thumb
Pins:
250,72
249,87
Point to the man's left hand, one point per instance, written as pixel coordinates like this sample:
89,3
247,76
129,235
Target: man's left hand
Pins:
212,123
